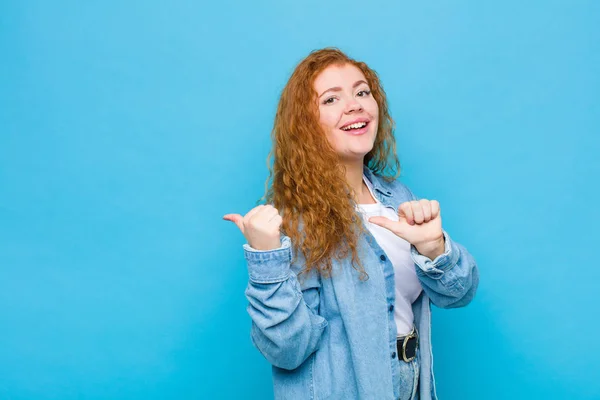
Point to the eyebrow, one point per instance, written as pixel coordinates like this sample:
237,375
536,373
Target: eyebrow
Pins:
339,89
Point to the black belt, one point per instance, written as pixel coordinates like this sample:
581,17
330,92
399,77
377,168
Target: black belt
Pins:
407,345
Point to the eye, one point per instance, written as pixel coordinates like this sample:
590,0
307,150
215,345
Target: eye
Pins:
364,93
329,100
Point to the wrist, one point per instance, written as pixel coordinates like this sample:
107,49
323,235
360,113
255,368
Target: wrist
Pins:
433,248
266,246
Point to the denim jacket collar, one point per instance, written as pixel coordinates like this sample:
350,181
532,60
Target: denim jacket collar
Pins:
378,182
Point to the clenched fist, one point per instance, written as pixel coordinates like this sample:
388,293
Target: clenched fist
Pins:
261,226
419,223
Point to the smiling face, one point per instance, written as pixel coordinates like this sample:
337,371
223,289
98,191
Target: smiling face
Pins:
347,111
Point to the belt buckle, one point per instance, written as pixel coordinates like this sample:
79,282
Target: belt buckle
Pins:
412,334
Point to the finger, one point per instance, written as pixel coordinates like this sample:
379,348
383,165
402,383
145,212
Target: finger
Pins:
426,207
269,212
274,217
236,219
263,216
249,215
276,221
435,208
384,223
406,212
252,212
417,211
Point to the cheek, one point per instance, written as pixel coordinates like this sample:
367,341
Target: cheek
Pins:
372,108
328,118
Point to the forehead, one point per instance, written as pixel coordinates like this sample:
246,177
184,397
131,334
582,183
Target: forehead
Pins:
338,76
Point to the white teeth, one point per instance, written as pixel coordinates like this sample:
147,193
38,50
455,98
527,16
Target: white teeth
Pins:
355,126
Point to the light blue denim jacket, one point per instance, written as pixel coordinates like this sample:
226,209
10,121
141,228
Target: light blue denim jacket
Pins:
335,338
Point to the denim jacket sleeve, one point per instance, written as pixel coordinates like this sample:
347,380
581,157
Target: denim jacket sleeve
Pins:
450,280
286,326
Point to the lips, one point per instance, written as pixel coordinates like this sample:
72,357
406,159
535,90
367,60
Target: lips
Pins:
359,123
364,127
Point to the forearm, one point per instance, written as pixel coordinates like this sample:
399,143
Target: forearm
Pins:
286,328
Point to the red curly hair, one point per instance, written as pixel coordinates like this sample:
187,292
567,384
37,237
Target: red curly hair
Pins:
308,182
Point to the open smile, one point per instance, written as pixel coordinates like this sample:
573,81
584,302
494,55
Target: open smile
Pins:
356,127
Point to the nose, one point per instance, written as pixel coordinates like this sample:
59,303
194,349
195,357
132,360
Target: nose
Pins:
352,106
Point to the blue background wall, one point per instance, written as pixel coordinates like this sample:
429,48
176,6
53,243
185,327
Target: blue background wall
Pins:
128,129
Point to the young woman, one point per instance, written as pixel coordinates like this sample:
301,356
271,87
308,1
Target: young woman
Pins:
343,259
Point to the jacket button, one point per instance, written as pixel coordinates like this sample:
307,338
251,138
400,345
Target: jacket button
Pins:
394,354
382,257
391,307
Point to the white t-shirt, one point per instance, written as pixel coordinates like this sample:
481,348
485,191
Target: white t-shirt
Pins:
408,286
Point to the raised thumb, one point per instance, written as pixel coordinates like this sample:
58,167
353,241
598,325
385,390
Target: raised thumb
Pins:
382,221
236,219
396,227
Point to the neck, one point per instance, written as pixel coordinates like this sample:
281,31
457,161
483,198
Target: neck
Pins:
354,177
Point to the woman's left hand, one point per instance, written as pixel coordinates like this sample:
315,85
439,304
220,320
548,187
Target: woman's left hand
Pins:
420,224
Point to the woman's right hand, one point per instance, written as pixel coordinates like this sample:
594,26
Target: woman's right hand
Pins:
261,226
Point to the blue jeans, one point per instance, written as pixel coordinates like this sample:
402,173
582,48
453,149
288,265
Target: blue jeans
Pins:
409,374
